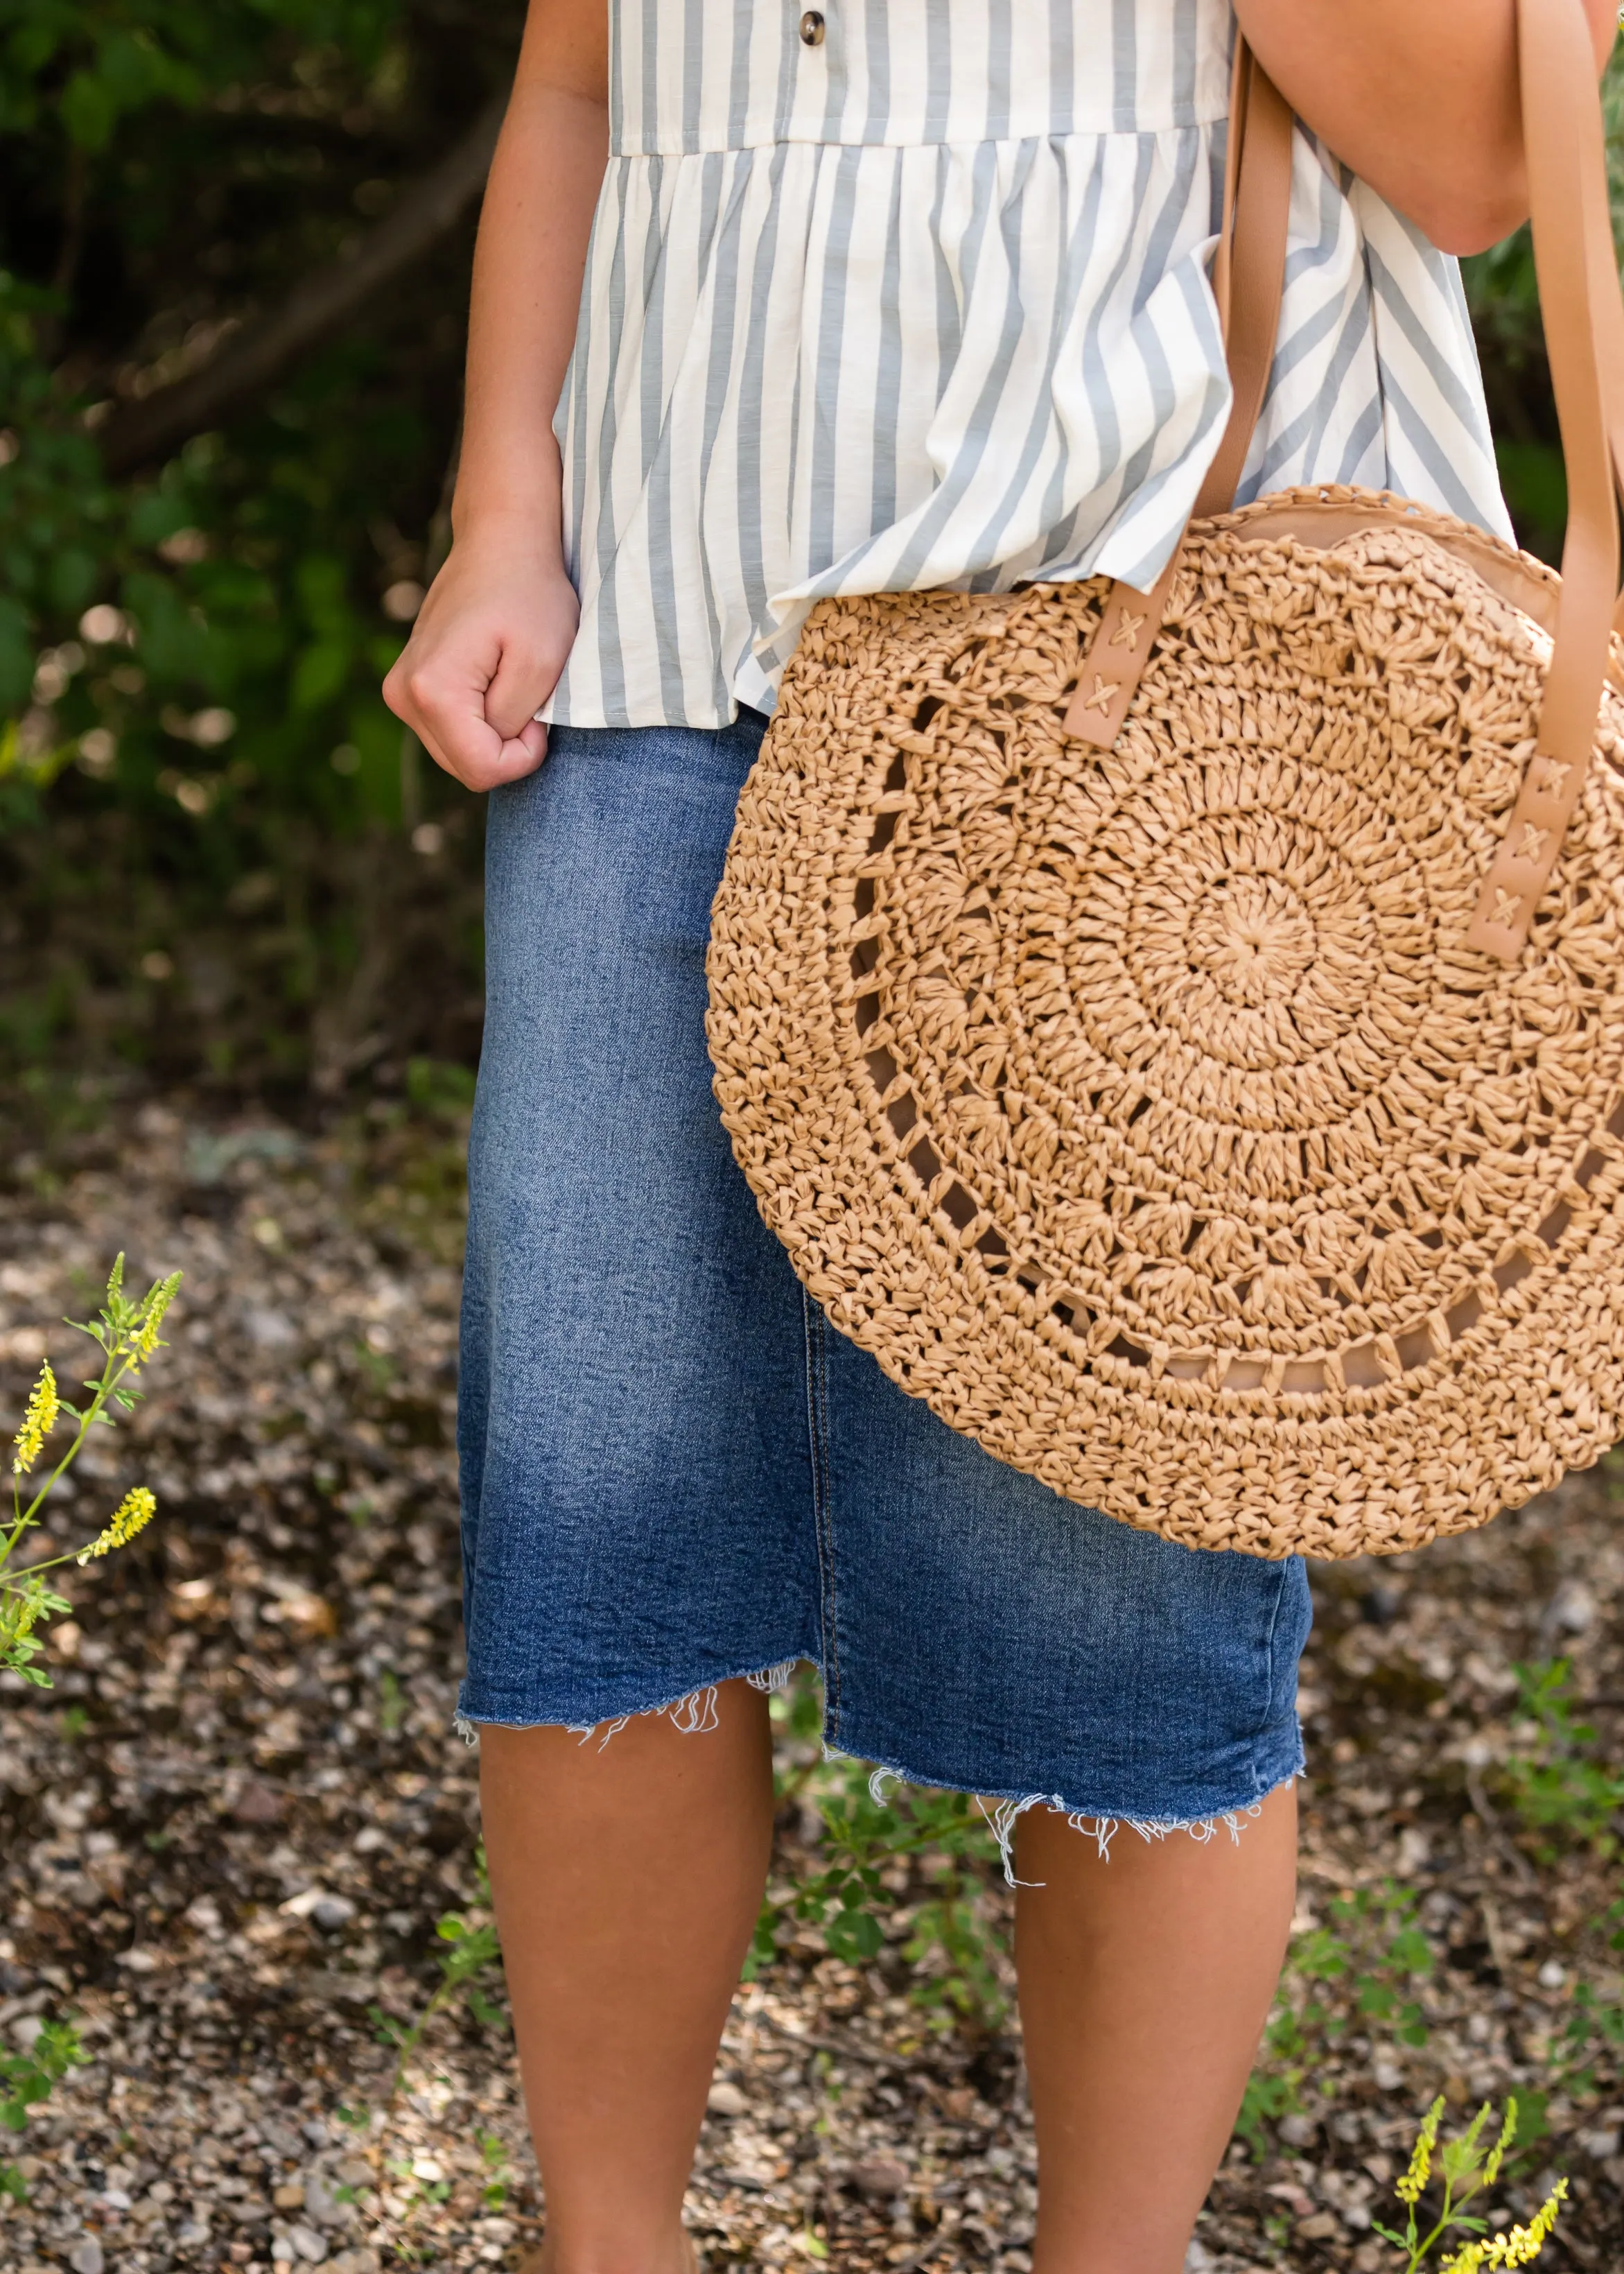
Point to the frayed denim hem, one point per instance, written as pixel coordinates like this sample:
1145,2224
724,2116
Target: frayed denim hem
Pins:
1004,1811
1103,1829
693,1713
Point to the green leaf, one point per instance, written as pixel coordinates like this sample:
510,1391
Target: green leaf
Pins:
88,110
1411,1951
487,2015
73,578
1266,2099
16,655
320,675
387,2029
855,1936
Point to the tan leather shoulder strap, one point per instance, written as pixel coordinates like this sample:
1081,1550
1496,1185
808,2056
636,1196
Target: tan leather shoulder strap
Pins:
1257,250
1584,318
1249,270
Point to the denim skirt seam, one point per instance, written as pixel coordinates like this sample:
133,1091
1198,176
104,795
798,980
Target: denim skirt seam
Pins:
1272,1686
822,1509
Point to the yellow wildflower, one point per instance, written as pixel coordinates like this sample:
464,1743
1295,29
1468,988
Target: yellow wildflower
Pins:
1519,2245
1508,2133
132,1514
144,1341
1408,2188
39,1419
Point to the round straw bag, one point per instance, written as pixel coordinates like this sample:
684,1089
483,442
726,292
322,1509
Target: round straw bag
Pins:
1181,1034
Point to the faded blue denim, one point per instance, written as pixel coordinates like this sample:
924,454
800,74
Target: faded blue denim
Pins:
675,1472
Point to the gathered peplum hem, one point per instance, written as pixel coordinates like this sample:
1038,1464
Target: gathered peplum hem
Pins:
863,356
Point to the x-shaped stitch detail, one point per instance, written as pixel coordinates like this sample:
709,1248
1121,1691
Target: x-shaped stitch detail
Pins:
1127,632
1103,690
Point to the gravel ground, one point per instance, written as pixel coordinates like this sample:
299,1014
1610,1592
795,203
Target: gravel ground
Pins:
227,1833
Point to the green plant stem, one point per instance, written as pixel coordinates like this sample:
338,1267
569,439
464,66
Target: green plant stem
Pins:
408,2044
1445,2219
24,1518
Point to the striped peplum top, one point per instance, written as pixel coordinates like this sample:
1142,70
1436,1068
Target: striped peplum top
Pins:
913,293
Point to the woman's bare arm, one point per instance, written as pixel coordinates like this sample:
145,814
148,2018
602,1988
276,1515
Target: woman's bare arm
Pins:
493,633
1417,97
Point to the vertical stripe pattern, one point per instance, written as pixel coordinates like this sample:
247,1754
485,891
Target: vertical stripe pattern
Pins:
927,304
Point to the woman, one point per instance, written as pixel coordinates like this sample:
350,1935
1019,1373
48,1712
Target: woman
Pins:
895,293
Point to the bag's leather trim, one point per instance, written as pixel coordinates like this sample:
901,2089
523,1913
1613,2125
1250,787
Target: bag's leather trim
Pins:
1114,662
1321,520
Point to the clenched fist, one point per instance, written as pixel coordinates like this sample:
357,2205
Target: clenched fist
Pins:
484,653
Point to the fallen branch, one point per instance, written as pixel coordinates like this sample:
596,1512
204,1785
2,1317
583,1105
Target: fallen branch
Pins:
321,305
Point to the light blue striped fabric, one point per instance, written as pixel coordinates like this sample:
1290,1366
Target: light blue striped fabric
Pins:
927,304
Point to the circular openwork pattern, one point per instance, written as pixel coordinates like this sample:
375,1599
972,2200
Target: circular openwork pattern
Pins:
1143,1111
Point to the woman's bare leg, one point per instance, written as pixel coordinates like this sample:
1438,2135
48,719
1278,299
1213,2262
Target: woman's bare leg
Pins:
627,1880
1144,1984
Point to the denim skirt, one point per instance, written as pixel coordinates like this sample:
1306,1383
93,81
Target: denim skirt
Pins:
675,1472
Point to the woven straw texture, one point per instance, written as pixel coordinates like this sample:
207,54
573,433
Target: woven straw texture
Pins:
1141,1109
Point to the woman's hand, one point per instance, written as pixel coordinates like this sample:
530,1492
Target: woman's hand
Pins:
1418,96
491,637
484,653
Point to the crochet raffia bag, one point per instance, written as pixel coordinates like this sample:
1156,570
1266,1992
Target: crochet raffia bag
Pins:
1181,1034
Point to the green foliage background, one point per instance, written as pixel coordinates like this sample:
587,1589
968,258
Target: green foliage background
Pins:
195,888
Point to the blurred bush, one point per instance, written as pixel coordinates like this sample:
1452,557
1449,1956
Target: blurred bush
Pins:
234,241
